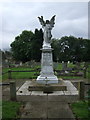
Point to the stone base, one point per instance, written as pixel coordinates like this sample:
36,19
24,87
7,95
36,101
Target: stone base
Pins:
47,73
48,80
48,88
65,88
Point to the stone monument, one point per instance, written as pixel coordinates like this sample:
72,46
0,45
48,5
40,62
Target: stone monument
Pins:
47,82
47,74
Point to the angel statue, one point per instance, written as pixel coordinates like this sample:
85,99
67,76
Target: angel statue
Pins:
47,26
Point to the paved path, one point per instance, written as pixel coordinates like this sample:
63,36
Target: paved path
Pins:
47,109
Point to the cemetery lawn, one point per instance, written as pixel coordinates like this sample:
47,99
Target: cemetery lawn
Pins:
33,75
29,75
71,77
88,73
20,75
80,109
10,109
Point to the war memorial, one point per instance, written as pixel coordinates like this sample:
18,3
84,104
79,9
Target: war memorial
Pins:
47,82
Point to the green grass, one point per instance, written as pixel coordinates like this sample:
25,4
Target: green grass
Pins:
16,68
20,75
0,78
88,73
0,110
32,75
71,77
59,66
71,65
10,109
80,109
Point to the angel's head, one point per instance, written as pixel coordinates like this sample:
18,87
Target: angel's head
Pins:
47,22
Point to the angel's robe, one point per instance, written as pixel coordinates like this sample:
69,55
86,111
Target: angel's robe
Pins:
47,33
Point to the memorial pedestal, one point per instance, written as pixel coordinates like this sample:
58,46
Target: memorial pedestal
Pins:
47,74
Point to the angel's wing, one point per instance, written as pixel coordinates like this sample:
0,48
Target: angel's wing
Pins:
41,21
52,21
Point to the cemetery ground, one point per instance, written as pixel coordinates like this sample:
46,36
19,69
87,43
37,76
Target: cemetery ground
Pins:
21,77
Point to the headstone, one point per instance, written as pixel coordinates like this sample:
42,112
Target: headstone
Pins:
21,64
64,66
47,73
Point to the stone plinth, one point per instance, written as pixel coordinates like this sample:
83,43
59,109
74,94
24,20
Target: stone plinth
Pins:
63,88
47,73
34,86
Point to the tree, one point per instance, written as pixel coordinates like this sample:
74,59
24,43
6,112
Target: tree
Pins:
36,45
55,46
27,46
86,51
71,49
1,52
86,55
21,47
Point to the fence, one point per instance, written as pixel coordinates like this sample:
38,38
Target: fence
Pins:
81,85
12,84
37,72
11,71
81,89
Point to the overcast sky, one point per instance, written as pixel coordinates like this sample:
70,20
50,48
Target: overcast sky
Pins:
71,19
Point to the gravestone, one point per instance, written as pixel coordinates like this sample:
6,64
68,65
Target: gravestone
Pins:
47,73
